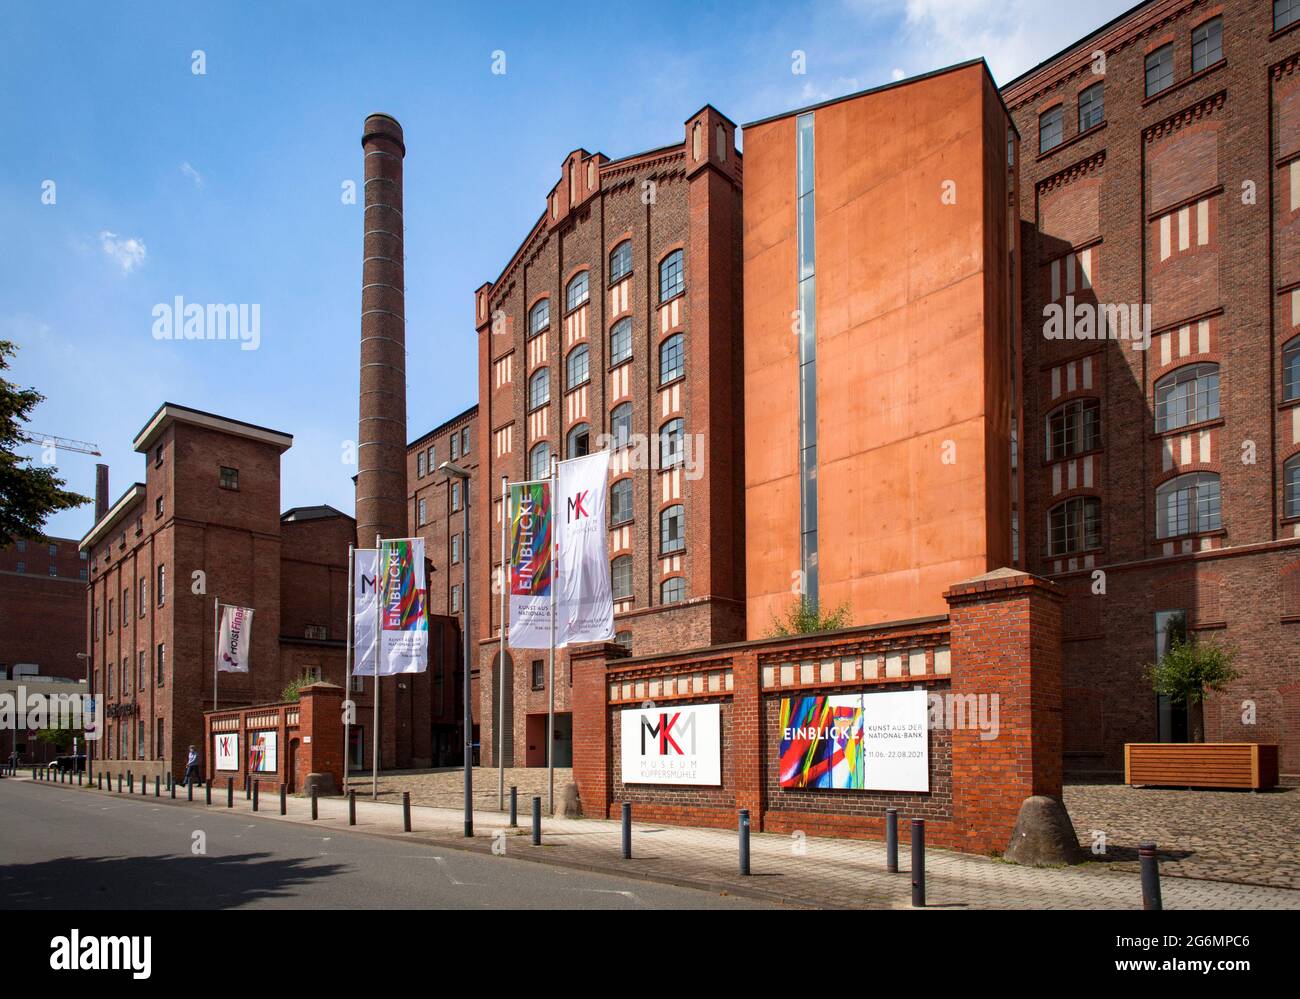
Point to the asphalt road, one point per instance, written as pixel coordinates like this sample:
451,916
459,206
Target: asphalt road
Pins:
66,849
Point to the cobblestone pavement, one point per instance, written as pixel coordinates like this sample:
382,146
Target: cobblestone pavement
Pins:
446,788
1214,835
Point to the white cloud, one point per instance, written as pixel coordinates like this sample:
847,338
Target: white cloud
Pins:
897,75
192,174
126,253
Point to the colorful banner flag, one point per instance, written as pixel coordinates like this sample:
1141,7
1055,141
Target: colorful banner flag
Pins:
403,624
585,605
365,593
530,565
234,638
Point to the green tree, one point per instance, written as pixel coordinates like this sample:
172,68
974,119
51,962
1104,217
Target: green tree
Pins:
803,618
28,495
1188,671
58,738
293,689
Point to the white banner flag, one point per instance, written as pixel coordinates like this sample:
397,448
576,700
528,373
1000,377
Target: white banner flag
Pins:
234,638
365,592
585,605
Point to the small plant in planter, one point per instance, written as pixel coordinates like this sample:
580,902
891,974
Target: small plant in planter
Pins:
1188,671
804,618
293,689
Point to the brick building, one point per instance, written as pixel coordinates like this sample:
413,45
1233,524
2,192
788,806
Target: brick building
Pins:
205,524
42,609
1161,167
617,323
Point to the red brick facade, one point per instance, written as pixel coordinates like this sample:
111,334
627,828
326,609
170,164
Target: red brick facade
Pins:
43,593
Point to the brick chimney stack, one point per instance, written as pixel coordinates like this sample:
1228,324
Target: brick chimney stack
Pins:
101,491
381,435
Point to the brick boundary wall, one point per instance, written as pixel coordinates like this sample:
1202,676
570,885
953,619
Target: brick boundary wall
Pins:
1002,636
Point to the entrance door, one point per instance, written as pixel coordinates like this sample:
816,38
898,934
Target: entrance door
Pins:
563,739
291,775
536,738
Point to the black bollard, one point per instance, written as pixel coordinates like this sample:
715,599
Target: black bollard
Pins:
1151,901
130,782
100,777
230,792
514,807
171,787
189,791
207,793
406,811
352,808
537,820
743,829
918,863
248,787
79,778
157,787
627,830
284,801
891,840
313,801
254,795
119,782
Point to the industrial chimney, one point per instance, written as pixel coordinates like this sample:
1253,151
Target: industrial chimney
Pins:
101,492
381,434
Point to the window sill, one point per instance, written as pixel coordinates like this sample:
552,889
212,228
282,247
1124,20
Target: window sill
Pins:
673,381
1064,143
1185,82
577,385
1218,532
570,310
1049,462
672,554
1280,33
671,298
1191,428
618,364
614,282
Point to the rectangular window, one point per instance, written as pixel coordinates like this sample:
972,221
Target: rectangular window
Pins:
455,446
54,569
1285,13
455,599
158,507
162,662
432,462
1050,125
139,742
161,588
110,615
142,670
158,455
54,551
419,465
22,566
1160,70
539,674
806,330
455,496
126,606
464,441
158,729
1092,107
420,518
1074,526
455,549
1207,44
229,478
144,595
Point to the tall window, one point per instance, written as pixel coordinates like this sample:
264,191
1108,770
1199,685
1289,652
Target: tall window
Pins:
419,465
672,279
672,443
1160,70
620,341
455,549
421,514
109,616
672,359
1188,504
1285,12
142,668
672,529
624,638
432,462
539,461
108,679
620,261
1073,429
578,367
538,672
1207,44
576,293
454,446
1291,365
620,425
455,598
161,589
539,388
1092,107
673,590
1186,396
126,605
1074,526
1050,125
620,502
1291,481
621,577
578,441
144,595
139,741
455,495
464,441
539,317
158,738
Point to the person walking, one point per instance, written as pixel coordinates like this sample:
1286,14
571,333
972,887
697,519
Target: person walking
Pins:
191,768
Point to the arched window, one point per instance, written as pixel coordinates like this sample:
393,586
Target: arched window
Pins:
1073,429
672,437
620,261
1291,485
578,441
672,279
672,359
1291,368
576,293
539,317
1186,396
620,341
672,529
1188,504
539,461
620,502
621,578
577,367
620,425
1074,526
673,590
539,388
624,638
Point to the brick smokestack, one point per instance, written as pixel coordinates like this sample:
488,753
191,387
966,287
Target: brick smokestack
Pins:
381,435
101,492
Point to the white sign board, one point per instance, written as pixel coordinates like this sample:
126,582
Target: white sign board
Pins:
672,744
227,750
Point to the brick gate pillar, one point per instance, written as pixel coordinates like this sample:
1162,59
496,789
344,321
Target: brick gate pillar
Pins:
590,701
1006,666
747,736
320,731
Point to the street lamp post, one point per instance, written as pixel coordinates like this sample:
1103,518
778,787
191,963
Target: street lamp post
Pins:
90,693
454,471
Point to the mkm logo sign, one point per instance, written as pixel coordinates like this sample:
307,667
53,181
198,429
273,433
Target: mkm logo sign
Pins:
667,732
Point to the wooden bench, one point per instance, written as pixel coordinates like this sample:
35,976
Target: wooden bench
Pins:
1201,764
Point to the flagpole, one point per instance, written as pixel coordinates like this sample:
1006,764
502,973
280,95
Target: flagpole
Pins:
379,573
550,684
347,670
216,641
501,655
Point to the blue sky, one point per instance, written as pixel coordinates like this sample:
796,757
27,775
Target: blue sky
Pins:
225,187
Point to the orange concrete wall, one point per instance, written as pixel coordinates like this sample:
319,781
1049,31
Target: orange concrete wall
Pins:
913,350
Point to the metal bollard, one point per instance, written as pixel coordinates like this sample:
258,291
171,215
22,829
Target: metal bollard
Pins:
119,782
254,783
627,830
537,820
313,801
1151,901
230,792
891,840
207,793
189,791
130,782
248,787
79,778
352,808
918,863
744,841
284,801
157,786
100,775
514,807
406,811
171,787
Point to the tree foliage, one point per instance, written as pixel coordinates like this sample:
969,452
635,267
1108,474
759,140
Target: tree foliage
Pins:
1190,669
802,617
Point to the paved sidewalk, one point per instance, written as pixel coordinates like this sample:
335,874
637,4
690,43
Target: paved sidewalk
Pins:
815,872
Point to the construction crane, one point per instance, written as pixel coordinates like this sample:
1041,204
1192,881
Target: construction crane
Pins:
59,443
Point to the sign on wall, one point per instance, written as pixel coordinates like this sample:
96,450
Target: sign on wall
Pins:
261,752
672,745
874,741
227,754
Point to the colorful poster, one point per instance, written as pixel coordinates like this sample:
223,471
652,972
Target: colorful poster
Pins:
227,750
403,624
585,604
234,639
874,741
365,594
261,752
672,745
530,566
